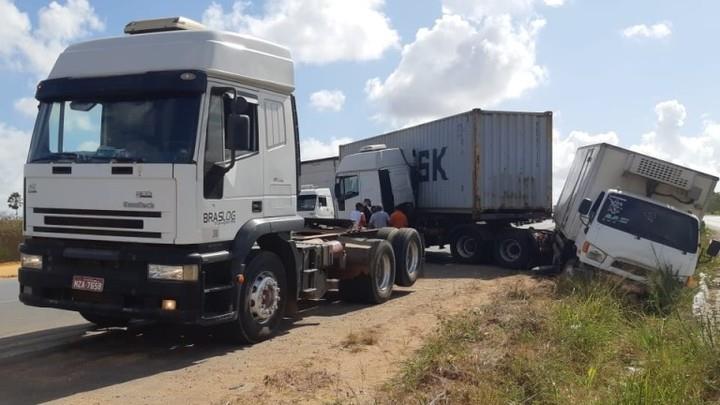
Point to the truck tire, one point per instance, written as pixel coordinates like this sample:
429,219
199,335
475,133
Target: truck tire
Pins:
387,233
512,250
375,287
408,249
466,245
105,321
262,299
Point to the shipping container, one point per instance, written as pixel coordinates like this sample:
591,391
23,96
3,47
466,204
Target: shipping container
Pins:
482,162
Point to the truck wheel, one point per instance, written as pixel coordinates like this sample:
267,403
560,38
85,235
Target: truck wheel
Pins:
375,287
466,245
512,250
387,233
105,321
262,299
408,249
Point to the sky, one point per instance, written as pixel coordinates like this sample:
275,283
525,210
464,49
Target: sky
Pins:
640,74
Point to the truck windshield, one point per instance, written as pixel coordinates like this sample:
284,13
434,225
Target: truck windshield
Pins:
154,130
306,202
650,221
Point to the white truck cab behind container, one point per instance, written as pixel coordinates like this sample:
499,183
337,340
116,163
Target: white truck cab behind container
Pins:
315,202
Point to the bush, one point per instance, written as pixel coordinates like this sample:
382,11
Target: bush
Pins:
10,238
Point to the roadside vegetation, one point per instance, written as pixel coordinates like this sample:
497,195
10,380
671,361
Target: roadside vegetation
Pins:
10,238
570,341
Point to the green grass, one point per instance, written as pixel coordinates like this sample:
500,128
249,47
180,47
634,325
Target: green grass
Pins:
587,341
10,238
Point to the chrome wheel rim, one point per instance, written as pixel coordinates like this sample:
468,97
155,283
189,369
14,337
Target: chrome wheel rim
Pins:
384,271
412,258
264,299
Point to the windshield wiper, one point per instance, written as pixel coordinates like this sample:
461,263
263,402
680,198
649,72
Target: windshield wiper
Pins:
52,157
126,159
117,159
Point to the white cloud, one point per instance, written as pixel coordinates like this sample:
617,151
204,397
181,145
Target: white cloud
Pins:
27,106
554,3
476,54
667,141
327,100
34,49
656,31
313,148
14,149
564,152
317,31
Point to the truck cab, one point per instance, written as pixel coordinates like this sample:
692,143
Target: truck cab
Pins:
377,173
161,183
630,235
152,172
315,203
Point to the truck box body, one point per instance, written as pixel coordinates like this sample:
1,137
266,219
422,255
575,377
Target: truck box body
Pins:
319,172
479,162
598,168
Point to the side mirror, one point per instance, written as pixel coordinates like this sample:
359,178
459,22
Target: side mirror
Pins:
714,248
238,133
337,193
585,206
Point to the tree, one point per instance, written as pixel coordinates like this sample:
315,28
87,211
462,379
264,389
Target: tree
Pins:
15,202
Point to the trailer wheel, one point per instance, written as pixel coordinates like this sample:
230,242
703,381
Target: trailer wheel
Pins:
408,248
512,250
105,321
262,298
375,287
466,245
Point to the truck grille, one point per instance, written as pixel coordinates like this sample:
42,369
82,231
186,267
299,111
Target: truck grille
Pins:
630,268
84,222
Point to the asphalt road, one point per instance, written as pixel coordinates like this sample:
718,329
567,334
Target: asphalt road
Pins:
712,222
16,318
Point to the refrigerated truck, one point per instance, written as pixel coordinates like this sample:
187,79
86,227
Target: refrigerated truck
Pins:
630,214
463,180
161,183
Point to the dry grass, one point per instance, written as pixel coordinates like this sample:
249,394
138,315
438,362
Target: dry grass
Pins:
356,340
581,341
10,238
9,269
300,380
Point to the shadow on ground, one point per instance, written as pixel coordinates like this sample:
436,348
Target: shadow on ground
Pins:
115,356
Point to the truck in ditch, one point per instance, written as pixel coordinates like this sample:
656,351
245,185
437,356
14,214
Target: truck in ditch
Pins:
161,183
630,214
463,180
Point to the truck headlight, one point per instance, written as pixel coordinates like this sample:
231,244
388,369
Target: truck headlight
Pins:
187,272
593,253
31,261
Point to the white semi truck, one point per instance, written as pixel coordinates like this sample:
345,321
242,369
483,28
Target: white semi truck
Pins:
315,202
630,214
463,180
161,183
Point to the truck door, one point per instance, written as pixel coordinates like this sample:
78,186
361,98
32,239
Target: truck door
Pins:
276,134
230,197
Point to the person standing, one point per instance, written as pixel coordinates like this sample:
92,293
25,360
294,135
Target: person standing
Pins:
367,209
379,218
398,218
358,217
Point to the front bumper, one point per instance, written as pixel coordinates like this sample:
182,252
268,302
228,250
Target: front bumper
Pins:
127,292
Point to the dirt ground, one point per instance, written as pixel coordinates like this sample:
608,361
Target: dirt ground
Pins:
9,269
336,352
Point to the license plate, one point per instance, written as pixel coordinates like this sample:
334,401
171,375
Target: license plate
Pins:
85,283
